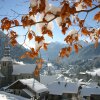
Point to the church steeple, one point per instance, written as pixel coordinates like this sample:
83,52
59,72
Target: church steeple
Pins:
6,48
7,64
7,51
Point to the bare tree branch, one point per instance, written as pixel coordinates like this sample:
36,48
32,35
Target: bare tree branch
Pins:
56,15
98,6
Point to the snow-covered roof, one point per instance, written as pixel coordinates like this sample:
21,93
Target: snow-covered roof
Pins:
49,64
34,85
6,59
18,62
31,83
58,88
94,72
90,89
21,69
82,73
8,96
47,79
61,77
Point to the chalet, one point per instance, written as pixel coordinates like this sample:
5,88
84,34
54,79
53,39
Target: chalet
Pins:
90,91
63,90
29,88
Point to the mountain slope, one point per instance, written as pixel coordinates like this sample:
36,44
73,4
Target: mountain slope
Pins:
87,52
54,48
16,51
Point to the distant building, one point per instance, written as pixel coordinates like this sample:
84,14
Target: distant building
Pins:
94,75
10,72
48,79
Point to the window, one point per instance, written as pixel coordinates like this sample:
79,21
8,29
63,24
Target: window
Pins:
4,63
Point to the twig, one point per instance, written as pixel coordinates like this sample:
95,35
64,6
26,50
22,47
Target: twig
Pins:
56,15
17,12
89,9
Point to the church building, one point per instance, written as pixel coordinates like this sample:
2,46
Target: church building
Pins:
10,71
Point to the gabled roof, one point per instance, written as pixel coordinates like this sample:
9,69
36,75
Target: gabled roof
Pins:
31,83
89,89
58,88
34,85
21,69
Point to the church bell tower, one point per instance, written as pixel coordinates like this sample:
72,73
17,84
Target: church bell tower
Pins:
7,64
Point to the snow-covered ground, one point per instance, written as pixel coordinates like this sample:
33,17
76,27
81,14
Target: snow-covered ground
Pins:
8,96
